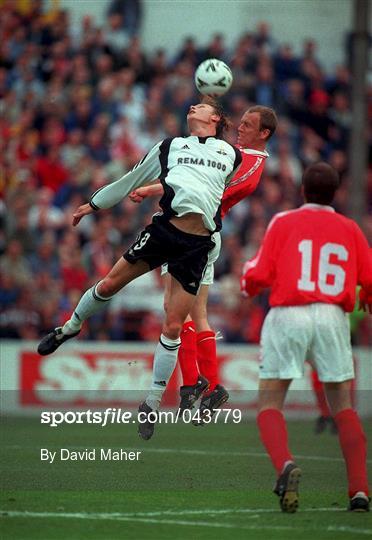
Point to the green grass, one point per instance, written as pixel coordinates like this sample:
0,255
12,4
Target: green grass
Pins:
205,483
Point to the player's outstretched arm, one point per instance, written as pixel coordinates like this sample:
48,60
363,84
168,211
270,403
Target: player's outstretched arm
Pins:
145,171
82,211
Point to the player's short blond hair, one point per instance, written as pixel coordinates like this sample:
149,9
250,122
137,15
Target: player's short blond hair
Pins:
268,118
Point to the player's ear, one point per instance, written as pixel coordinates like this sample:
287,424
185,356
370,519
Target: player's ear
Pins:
215,118
264,134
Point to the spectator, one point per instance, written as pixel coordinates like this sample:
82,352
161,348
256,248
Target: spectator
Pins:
20,319
73,149
114,34
43,215
50,171
131,12
45,257
14,263
74,276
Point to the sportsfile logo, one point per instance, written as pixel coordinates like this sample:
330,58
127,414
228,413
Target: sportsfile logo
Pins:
102,418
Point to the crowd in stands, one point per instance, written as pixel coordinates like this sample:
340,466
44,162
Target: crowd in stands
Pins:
80,108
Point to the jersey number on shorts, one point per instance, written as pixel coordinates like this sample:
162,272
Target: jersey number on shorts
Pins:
142,241
326,268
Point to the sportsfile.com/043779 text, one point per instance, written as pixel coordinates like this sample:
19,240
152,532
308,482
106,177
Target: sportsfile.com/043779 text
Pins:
120,416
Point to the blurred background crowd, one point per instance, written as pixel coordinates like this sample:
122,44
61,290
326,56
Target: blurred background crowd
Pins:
80,107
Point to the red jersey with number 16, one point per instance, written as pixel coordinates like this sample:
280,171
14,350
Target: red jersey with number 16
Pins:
310,255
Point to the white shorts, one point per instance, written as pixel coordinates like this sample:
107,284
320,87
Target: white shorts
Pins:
208,275
319,333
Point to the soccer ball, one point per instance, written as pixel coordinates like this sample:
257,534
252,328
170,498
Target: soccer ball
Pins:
213,77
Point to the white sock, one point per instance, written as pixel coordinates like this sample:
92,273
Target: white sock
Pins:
286,463
165,360
90,303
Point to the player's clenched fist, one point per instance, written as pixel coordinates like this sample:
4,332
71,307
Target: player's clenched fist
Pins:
135,196
141,193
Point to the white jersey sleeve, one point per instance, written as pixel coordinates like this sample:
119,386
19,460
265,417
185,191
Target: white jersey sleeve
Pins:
145,171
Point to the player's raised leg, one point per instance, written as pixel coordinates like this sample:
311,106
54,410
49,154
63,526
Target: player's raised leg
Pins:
353,443
93,300
179,305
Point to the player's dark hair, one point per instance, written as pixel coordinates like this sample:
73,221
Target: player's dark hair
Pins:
268,118
224,123
320,182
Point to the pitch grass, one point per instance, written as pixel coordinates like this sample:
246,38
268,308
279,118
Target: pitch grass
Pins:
204,483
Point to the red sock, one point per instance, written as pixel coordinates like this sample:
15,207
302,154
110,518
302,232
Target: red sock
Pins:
207,357
273,432
318,389
354,448
187,354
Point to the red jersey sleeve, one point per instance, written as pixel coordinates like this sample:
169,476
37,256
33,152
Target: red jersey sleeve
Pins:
246,179
364,265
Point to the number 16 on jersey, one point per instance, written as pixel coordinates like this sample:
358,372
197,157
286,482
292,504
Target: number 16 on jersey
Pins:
330,277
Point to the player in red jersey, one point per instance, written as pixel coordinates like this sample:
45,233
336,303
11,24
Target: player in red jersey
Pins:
197,354
313,259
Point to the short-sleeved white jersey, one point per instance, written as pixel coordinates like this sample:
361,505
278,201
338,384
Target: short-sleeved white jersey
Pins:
194,172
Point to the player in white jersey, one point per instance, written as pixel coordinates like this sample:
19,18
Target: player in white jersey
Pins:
197,355
194,171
